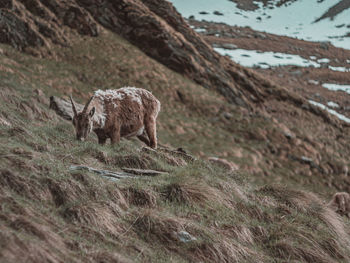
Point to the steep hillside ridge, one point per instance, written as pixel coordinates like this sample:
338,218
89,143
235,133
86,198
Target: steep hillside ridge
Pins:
153,25
39,23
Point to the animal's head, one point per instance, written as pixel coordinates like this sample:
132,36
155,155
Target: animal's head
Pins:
82,121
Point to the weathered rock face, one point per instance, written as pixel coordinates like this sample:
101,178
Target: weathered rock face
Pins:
29,24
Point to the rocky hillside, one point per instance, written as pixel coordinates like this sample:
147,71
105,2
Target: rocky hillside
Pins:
154,26
194,210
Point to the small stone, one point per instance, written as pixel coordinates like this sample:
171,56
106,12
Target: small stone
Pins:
218,13
229,46
185,237
288,135
4,122
306,159
325,45
227,115
313,82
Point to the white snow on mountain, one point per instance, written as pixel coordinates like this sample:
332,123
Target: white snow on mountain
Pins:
253,58
295,19
333,112
337,87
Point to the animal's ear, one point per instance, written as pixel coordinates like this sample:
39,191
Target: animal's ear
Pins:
92,112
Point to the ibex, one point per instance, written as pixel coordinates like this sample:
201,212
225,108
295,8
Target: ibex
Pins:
113,114
340,203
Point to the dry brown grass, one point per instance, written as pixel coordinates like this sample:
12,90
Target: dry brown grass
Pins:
286,249
260,234
25,239
232,189
157,227
223,250
134,161
192,192
170,157
17,250
254,211
140,197
239,232
29,187
330,248
108,257
309,203
102,216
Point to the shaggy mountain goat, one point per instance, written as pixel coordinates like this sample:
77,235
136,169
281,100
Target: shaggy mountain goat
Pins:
340,203
113,114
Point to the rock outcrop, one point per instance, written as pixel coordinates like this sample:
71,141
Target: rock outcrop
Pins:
31,24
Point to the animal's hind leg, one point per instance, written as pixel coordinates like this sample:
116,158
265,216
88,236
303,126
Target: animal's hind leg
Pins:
115,135
144,139
151,130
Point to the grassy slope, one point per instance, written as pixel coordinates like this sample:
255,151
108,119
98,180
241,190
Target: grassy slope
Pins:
49,213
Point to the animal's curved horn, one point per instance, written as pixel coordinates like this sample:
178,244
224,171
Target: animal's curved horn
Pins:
73,106
87,105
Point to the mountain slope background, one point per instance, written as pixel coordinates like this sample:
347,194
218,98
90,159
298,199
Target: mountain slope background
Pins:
210,107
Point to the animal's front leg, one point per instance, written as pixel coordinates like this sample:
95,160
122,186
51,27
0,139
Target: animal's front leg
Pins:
102,137
102,140
151,130
115,135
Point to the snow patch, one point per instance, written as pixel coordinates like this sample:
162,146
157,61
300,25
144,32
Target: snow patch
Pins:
294,20
323,60
251,58
341,69
332,104
313,82
337,87
200,30
338,115
255,58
